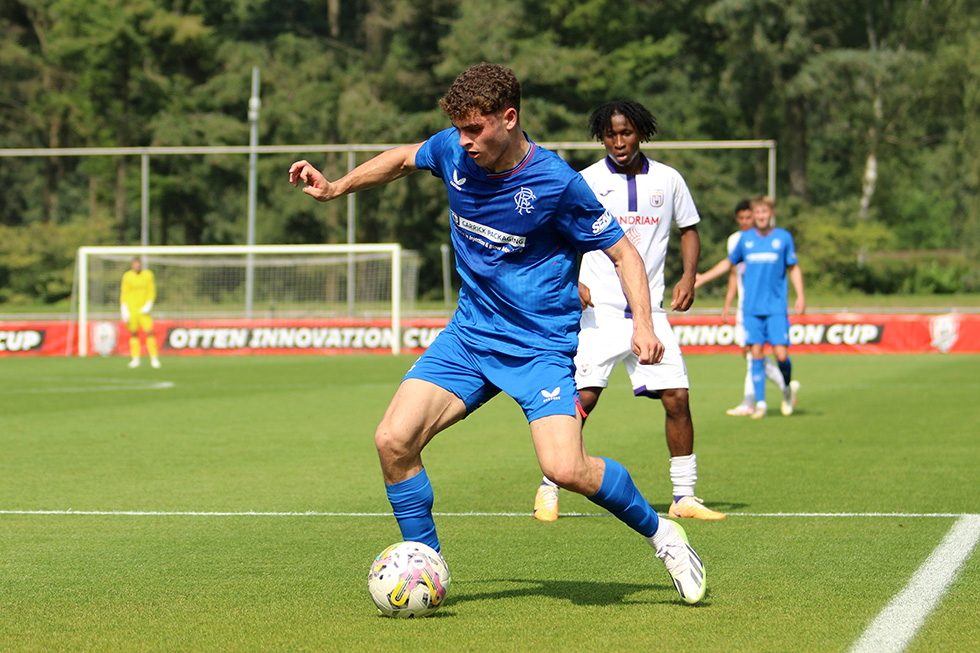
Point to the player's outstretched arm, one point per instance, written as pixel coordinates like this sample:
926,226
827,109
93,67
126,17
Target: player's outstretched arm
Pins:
683,296
730,294
718,269
796,278
388,166
633,277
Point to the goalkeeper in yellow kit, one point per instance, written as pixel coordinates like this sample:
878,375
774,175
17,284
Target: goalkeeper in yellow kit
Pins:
136,301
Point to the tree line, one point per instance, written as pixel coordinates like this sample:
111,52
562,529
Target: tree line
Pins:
875,107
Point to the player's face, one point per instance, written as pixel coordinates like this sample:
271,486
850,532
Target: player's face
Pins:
622,142
136,265
744,219
762,216
487,138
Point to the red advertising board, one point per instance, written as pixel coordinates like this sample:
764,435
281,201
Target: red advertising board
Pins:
831,333
846,333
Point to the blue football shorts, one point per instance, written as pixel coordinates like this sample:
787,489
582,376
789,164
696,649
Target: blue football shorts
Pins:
543,385
771,329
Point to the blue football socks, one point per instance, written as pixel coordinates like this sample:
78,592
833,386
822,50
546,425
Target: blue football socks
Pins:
619,496
786,367
411,501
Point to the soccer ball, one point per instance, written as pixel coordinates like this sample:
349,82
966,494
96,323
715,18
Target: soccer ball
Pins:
408,579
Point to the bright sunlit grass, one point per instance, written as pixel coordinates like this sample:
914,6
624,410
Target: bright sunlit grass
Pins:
175,462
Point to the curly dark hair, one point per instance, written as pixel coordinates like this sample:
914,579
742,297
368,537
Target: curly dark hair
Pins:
743,205
487,88
636,113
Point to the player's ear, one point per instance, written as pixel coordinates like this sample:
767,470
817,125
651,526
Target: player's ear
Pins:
510,118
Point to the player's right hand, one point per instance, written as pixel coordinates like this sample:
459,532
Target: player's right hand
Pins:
584,295
316,186
124,311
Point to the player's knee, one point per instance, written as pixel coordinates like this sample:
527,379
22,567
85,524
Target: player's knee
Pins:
393,443
566,475
386,441
676,402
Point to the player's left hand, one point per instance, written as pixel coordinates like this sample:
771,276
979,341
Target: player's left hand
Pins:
683,296
147,307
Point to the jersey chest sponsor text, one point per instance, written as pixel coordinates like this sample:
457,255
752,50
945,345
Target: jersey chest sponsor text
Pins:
487,236
762,257
638,220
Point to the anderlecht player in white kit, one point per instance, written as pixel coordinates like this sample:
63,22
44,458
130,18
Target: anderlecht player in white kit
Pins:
646,198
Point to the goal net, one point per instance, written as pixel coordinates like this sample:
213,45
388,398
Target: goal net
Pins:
366,281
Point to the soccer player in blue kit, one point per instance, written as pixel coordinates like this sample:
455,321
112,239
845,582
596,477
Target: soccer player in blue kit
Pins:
519,216
769,254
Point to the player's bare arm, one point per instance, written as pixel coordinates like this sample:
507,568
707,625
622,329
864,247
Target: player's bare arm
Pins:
585,295
633,277
730,294
721,267
683,296
388,166
796,278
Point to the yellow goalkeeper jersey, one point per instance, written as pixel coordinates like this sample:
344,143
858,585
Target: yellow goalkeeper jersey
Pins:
137,289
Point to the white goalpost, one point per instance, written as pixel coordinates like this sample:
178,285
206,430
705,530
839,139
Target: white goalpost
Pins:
252,282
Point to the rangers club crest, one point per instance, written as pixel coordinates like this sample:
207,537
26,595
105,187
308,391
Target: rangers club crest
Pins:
657,198
524,200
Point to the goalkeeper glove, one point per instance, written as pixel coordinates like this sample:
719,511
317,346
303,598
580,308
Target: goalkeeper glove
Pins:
125,312
147,307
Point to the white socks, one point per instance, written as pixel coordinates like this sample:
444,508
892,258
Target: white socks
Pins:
684,474
774,374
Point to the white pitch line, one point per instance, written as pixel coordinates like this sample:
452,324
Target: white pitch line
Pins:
313,513
896,626
92,385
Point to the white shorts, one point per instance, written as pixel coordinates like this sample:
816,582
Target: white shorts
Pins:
605,341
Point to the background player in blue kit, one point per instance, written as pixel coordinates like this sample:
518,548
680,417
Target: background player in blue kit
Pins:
743,217
769,254
519,217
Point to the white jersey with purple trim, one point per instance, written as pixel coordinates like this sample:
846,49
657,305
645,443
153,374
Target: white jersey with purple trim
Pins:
645,205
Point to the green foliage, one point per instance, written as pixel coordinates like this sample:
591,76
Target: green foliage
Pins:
919,273
37,261
840,252
831,242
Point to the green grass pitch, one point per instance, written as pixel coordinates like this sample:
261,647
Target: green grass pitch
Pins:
236,503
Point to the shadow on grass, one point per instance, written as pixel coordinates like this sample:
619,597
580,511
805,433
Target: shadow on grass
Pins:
714,504
661,509
588,593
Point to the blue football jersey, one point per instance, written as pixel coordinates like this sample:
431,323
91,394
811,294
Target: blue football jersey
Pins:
766,259
517,235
